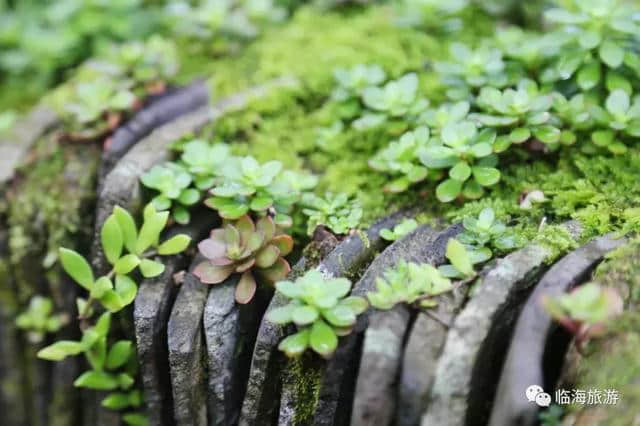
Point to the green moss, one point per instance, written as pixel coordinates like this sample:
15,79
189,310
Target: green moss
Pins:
50,206
312,44
284,126
557,239
612,362
306,376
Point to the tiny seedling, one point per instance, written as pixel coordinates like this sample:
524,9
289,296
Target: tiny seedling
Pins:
320,309
409,283
400,230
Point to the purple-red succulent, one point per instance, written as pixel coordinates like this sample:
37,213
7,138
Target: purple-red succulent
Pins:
246,248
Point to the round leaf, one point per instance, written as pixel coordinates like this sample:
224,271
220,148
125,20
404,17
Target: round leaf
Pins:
611,54
295,344
459,257
304,315
448,190
77,267
151,268
460,171
322,339
281,315
486,176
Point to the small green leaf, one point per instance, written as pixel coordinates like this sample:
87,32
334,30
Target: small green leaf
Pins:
357,304
135,419
387,234
60,350
602,137
112,239
151,268
119,354
617,103
126,289
150,231
281,315
98,380
460,171
304,315
125,381
340,316
322,339
448,190
486,176
611,54
589,76
102,285
126,264
295,344
116,401
77,267
111,301
127,227
289,289
459,257
519,135
189,196
547,134
174,245
161,202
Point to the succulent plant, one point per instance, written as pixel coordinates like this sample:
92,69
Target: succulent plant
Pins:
39,319
396,98
621,116
409,282
335,211
430,13
467,154
485,231
586,310
351,82
438,118
210,18
246,185
320,309
462,260
400,160
483,66
246,248
575,115
529,48
153,60
173,183
523,110
203,161
88,101
400,230
599,28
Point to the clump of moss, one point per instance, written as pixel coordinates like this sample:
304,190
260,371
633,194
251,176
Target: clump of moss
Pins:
284,126
612,362
306,378
557,239
49,206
